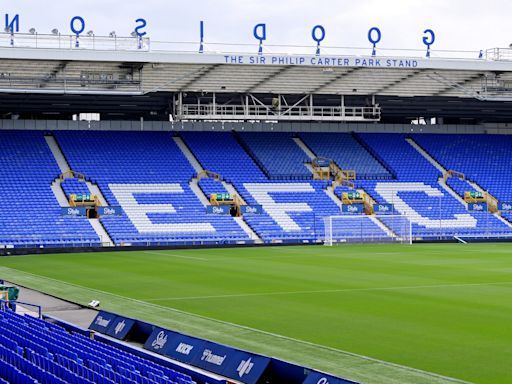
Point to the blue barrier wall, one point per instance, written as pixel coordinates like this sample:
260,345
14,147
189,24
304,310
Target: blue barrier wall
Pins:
229,362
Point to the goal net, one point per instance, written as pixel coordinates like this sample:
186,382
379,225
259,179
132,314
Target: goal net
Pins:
367,229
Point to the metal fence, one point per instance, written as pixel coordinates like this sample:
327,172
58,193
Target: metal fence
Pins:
135,43
85,42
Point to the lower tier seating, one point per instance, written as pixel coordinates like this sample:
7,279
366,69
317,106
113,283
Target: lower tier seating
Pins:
417,193
33,351
296,211
30,214
288,165
344,149
74,186
147,174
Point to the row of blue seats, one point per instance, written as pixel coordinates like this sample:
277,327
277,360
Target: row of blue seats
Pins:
348,154
28,208
149,161
416,179
278,154
31,344
135,168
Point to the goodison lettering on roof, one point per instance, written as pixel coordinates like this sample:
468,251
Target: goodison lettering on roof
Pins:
77,26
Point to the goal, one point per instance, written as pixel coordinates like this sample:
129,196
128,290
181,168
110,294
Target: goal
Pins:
367,229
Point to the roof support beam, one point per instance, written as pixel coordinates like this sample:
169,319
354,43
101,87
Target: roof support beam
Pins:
395,82
273,75
61,66
186,75
460,84
198,75
334,79
453,85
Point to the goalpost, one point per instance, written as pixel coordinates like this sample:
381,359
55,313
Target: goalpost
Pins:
367,229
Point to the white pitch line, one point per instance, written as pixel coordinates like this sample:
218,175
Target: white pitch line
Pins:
353,354
325,291
174,255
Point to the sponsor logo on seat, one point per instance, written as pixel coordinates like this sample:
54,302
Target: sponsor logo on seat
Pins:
102,322
245,367
212,358
506,207
184,348
160,341
119,327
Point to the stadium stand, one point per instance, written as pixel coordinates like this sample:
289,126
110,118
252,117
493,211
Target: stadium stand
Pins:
277,154
306,222
148,175
27,169
484,159
308,199
152,164
35,351
74,186
437,213
211,186
220,152
459,186
344,149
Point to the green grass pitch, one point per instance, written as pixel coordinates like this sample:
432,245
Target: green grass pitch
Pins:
426,313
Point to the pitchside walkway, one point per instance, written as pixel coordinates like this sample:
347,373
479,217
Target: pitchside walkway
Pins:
56,307
338,362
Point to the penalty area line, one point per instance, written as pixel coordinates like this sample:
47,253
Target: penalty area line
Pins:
174,255
284,293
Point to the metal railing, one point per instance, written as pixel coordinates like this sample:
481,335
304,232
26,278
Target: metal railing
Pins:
40,241
255,112
499,54
21,307
134,43
83,42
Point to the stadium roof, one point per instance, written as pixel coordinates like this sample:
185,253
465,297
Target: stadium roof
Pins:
116,82
145,72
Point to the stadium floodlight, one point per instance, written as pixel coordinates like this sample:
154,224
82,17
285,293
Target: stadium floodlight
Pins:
55,31
112,34
32,31
8,29
90,33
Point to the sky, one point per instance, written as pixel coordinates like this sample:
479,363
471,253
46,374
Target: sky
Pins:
458,24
